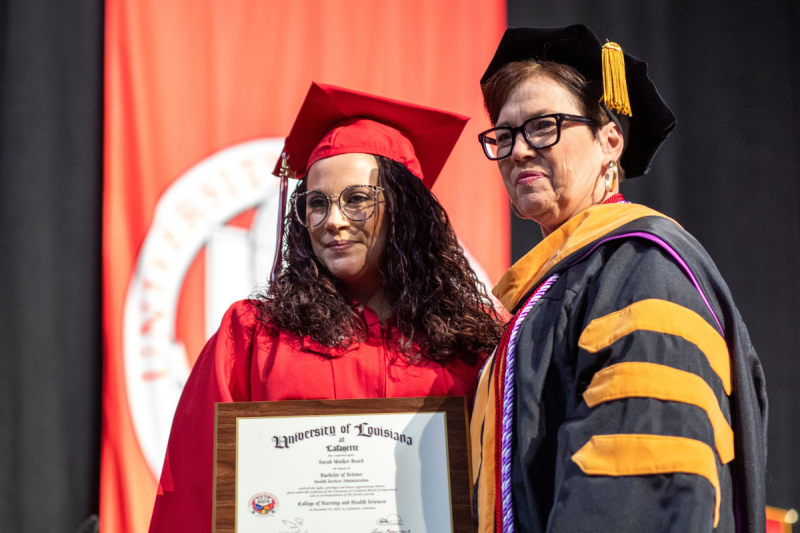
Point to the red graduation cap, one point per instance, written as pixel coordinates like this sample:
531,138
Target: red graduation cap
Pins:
334,120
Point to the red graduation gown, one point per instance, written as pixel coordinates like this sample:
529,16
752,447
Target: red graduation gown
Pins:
244,362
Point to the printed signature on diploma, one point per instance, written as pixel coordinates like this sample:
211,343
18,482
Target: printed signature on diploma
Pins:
294,527
390,520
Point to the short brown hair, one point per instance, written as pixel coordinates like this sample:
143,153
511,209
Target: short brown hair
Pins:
499,87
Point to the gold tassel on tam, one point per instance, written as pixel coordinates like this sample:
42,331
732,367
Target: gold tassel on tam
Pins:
615,87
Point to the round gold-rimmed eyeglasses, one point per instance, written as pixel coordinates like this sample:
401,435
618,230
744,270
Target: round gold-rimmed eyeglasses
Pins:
356,202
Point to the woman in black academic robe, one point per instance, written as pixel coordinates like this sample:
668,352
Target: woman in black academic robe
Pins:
625,394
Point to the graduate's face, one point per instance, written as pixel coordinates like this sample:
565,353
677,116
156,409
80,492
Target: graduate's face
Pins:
551,185
350,250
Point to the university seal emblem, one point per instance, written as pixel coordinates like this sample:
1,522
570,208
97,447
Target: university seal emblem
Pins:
263,504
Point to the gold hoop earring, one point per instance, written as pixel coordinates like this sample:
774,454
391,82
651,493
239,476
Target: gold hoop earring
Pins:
516,211
612,176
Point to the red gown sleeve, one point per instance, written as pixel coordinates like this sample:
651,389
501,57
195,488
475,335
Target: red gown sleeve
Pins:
221,374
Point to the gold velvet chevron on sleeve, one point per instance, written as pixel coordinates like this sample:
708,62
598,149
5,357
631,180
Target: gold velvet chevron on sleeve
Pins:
663,317
650,380
638,455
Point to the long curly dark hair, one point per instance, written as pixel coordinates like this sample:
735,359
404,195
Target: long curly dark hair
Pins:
440,308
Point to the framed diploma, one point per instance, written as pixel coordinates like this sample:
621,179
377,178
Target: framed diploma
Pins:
390,465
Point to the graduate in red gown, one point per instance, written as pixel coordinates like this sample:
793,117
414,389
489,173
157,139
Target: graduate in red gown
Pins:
375,298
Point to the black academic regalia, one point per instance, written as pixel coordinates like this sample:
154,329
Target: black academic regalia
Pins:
623,407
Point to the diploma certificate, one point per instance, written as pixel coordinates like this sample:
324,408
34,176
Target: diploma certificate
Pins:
356,473
360,473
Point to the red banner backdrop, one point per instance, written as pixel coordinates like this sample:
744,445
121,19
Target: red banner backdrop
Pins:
199,94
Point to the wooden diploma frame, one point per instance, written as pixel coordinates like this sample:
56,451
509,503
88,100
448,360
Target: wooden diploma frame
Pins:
227,430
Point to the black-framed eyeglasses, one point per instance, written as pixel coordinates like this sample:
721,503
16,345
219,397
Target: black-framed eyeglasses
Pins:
356,202
539,132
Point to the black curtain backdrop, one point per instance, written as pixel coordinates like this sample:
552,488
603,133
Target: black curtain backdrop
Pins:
50,215
729,171
728,174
